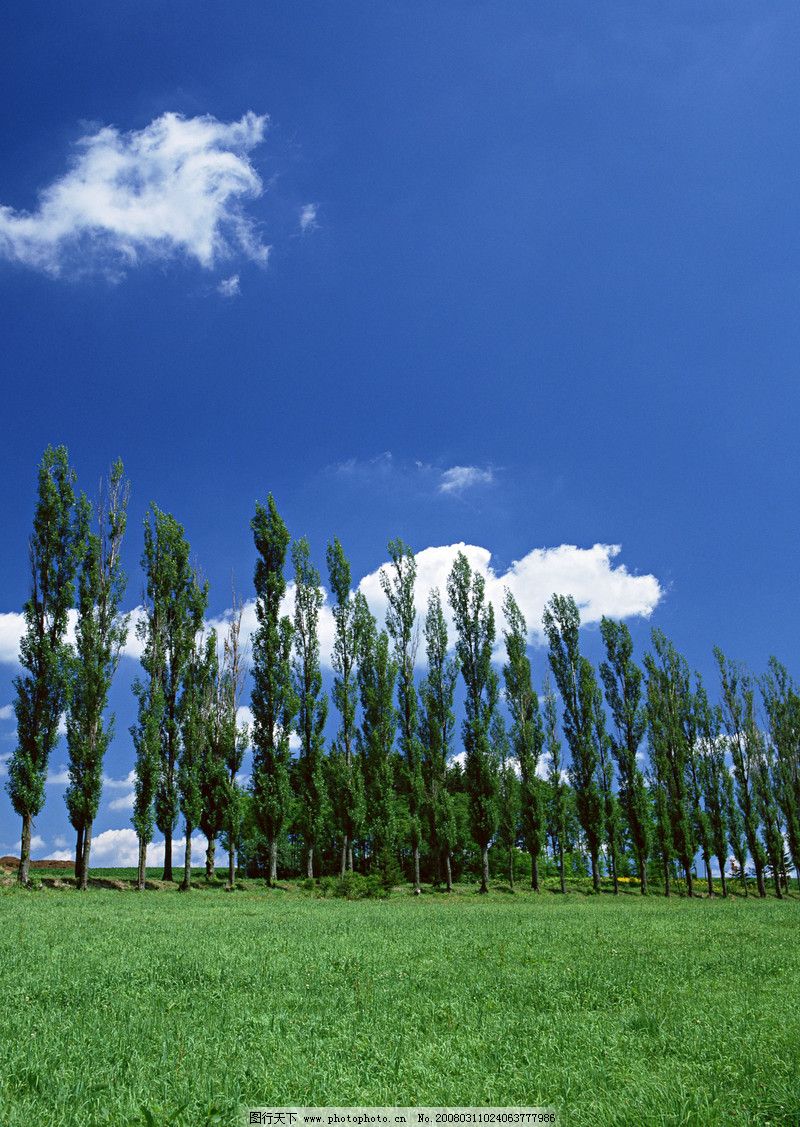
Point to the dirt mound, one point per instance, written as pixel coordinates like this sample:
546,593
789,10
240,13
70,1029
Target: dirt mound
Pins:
13,863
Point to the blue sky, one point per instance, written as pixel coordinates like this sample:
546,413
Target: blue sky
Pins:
531,284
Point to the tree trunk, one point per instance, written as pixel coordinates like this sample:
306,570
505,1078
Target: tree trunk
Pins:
535,872
186,883
141,875
666,877
561,872
273,861
448,871
485,868
613,860
343,867
511,869
777,882
762,890
721,861
642,874
349,856
167,855
689,880
210,852
25,850
709,880
87,849
310,862
417,885
231,868
78,855
595,871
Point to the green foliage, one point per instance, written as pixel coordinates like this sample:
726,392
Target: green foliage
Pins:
56,547
377,674
474,621
437,721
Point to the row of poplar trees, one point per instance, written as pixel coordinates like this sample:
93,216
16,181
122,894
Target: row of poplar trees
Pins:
720,780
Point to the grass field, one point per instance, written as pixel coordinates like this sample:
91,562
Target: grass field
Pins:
176,1009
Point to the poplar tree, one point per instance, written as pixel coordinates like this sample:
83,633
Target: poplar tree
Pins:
558,787
196,707
714,778
437,721
100,635
527,734
577,686
347,781
782,704
213,781
508,793
273,702
42,691
146,732
622,681
401,616
176,601
612,821
474,621
671,723
377,676
312,703
744,745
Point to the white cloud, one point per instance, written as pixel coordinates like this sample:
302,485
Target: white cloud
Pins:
458,478
124,802
3,764
598,586
60,842
114,849
12,627
308,217
59,778
229,287
174,188
120,784
7,712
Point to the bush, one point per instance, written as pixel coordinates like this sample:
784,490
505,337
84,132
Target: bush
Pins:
352,886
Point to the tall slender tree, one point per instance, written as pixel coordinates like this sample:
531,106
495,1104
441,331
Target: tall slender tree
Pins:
313,704
612,820
401,622
42,691
197,703
475,628
713,776
437,721
622,681
274,702
508,793
527,733
176,601
377,676
782,704
671,722
555,777
577,686
100,635
146,732
347,780
738,715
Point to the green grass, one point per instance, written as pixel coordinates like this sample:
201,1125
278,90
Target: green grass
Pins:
173,1009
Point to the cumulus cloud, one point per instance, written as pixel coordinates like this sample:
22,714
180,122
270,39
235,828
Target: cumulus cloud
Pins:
58,778
229,287
124,802
173,189
598,585
120,849
120,784
7,712
308,217
458,478
12,627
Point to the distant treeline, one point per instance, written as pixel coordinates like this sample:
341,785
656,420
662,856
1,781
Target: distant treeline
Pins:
625,770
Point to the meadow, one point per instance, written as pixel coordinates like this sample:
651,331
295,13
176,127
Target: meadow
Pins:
172,1009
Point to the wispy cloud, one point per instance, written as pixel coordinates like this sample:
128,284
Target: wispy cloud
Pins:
7,712
458,478
229,287
174,188
308,217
